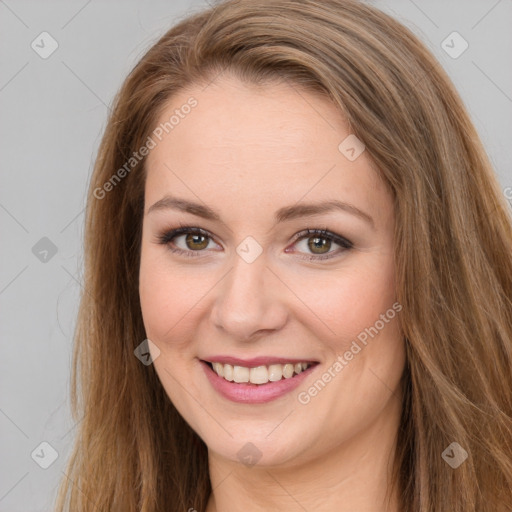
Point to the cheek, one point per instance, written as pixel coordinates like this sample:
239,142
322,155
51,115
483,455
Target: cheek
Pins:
164,297
343,304
172,299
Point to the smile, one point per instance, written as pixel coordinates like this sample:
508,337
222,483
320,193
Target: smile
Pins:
260,374
258,383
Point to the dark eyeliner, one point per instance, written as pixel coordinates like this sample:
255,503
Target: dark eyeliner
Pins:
323,233
167,237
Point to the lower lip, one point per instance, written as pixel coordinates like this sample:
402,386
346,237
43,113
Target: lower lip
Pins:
249,393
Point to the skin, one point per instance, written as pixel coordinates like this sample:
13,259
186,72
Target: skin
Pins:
246,151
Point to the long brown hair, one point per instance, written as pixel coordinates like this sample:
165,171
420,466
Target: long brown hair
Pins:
453,233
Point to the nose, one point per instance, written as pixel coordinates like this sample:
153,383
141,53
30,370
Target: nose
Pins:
249,301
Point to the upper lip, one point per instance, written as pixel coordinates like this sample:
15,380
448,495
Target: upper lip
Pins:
255,361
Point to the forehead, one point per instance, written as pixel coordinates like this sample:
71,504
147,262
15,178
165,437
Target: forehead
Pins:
265,145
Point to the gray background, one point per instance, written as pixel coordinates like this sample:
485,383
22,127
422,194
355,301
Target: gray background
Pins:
53,112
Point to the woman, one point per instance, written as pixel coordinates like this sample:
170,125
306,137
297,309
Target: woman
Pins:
298,277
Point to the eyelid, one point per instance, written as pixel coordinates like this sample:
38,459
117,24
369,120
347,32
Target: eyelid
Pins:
168,235
339,240
324,232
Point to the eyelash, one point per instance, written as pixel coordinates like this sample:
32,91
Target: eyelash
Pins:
167,237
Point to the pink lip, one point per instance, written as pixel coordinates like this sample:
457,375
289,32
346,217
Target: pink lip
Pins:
255,361
249,393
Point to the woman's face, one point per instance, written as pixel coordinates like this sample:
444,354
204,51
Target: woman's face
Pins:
254,168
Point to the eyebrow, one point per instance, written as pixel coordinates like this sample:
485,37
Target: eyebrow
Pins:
283,214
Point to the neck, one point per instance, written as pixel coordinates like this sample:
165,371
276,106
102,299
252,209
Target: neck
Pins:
355,475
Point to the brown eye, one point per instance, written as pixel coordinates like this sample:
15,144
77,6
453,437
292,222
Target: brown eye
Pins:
192,241
195,241
188,241
319,245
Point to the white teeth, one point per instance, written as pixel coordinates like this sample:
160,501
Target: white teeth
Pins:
240,374
275,372
219,368
288,370
259,374
228,372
